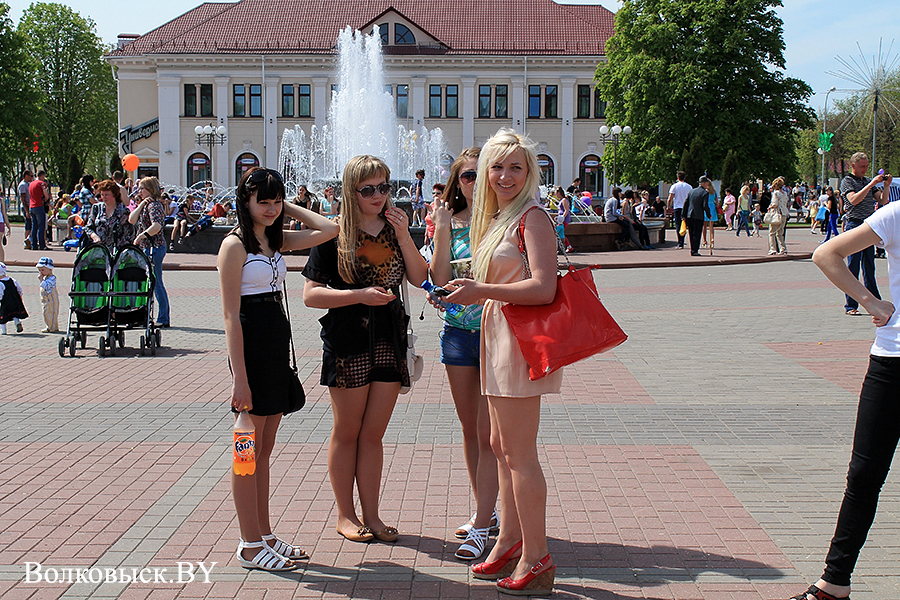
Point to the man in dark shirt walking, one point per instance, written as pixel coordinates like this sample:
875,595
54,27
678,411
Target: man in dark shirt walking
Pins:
696,208
860,197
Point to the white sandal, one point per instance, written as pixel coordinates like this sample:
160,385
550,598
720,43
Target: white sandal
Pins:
474,544
265,560
463,531
284,549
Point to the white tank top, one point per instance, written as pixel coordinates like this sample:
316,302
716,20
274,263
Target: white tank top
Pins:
261,274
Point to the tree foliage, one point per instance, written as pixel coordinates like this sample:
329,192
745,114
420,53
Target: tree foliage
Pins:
692,162
680,70
18,97
731,178
77,115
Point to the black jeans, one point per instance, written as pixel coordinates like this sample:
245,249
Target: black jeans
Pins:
874,444
627,230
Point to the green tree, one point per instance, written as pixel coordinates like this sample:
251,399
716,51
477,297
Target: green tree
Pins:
731,178
678,70
77,90
692,161
18,98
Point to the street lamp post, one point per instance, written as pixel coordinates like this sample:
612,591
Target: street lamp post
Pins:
821,148
613,134
211,136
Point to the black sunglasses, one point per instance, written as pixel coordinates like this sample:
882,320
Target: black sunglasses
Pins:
260,175
367,192
468,176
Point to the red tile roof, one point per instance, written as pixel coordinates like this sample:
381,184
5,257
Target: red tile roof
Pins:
515,27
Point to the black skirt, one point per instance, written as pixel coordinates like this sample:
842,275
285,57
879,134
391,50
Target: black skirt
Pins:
267,339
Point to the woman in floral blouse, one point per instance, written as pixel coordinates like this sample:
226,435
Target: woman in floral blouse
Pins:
149,237
107,222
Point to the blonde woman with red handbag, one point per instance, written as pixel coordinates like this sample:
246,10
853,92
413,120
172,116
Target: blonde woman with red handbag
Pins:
506,184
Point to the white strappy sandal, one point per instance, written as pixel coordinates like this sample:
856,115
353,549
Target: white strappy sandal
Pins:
474,545
284,549
265,560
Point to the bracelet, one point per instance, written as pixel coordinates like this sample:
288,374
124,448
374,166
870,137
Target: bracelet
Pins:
408,239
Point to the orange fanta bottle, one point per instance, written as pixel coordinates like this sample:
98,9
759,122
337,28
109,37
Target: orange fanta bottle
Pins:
244,445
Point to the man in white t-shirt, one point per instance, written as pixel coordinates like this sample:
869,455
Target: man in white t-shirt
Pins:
678,193
24,199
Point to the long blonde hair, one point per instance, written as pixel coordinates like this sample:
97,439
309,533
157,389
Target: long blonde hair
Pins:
357,170
486,231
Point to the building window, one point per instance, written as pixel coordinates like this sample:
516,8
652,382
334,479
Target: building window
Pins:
304,101
452,101
484,101
389,89
240,101
287,100
244,162
255,100
591,173
534,102
383,32
198,169
599,107
402,101
501,101
584,102
190,100
434,101
402,35
206,100
547,172
550,101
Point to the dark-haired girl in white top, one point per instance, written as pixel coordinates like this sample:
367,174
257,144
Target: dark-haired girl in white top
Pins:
257,335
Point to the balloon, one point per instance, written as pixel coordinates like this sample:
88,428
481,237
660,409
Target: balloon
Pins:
130,162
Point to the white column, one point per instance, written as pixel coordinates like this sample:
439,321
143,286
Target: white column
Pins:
468,112
566,170
517,102
417,100
223,160
320,100
169,98
270,117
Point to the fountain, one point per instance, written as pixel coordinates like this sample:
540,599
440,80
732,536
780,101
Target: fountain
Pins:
361,120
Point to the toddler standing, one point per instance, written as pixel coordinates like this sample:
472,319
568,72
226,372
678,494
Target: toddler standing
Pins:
11,306
49,295
757,218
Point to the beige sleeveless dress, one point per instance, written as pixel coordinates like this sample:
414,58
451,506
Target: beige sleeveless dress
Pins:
504,372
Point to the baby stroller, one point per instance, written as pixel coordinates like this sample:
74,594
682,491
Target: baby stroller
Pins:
89,305
131,301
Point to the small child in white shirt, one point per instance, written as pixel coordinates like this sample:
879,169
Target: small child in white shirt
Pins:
12,308
756,217
49,295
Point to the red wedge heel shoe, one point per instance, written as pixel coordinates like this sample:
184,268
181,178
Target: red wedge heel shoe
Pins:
537,582
501,567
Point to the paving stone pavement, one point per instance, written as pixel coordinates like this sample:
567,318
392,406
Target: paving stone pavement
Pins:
704,458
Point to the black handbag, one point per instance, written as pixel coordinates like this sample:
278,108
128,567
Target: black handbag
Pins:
296,395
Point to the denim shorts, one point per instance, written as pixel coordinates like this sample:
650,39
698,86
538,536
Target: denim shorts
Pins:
460,347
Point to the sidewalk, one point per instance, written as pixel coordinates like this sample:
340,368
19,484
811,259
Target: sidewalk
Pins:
729,249
704,458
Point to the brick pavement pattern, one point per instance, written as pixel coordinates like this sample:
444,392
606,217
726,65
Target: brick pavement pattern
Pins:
705,458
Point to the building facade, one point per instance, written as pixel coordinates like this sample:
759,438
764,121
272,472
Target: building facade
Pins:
259,67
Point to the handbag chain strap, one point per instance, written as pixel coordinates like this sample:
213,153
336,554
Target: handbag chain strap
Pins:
287,313
520,231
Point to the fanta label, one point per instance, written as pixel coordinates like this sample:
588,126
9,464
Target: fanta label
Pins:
244,447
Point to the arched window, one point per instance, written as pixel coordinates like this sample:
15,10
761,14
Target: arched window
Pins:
198,168
548,176
244,162
383,32
591,172
402,35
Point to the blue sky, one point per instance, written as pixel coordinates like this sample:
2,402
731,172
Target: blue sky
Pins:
815,31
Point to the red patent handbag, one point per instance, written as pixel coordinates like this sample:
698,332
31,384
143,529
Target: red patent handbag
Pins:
574,326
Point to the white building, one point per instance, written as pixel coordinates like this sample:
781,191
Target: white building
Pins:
261,66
